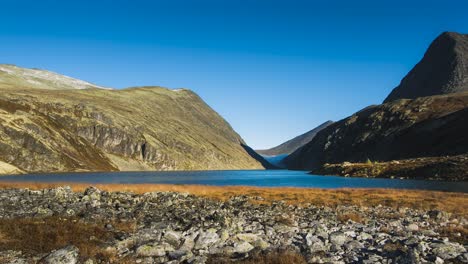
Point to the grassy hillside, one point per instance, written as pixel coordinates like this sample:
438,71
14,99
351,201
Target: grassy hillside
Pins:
145,128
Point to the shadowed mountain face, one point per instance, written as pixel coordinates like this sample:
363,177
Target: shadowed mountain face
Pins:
442,70
432,122
423,127
292,145
83,127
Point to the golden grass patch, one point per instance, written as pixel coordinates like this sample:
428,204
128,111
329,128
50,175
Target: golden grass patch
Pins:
42,235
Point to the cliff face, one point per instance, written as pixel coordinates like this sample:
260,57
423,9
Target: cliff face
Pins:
442,70
423,127
292,145
89,129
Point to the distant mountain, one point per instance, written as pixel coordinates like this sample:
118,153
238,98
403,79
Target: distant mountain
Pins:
293,144
442,70
423,127
54,123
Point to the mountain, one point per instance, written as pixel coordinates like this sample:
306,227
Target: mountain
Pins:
293,144
424,127
442,70
54,123
419,131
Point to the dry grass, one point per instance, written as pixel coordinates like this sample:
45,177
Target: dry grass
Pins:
355,217
42,235
456,203
395,248
455,233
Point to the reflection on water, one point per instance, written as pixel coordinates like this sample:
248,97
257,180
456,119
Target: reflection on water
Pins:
270,178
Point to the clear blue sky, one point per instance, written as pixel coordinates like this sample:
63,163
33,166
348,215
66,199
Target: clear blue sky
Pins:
273,69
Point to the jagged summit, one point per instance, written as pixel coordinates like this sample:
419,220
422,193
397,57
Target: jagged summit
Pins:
442,70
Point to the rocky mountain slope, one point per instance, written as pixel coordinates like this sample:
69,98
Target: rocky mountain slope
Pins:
418,131
422,127
292,145
442,70
81,128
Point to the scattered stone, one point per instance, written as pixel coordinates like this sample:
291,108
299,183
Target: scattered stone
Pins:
181,228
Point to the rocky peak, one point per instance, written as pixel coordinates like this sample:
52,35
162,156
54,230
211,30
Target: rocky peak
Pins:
442,70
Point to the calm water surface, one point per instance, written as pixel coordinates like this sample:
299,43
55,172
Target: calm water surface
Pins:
270,178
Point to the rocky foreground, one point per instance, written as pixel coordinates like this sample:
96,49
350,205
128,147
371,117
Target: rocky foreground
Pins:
169,227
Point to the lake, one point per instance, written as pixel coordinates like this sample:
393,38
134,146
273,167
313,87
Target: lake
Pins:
261,178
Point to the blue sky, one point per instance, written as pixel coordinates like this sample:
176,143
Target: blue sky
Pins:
273,69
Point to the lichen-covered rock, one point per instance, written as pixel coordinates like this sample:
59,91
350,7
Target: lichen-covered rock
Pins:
337,238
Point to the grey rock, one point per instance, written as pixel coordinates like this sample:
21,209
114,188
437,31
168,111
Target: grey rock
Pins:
337,238
177,254
153,250
447,250
173,238
353,245
412,228
206,239
238,248
66,255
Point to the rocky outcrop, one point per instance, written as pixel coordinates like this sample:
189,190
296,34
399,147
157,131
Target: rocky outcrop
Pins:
180,228
442,70
292,145
146,128
424,127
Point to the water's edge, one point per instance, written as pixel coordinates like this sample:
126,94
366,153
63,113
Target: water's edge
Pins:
255,178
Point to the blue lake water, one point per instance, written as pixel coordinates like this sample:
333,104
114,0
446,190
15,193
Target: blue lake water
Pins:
266,178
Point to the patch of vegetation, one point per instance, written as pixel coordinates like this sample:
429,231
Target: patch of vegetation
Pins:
42,235
455,233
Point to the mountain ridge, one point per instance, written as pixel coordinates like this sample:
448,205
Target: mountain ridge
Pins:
295,143
139,128
401,129
13,76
